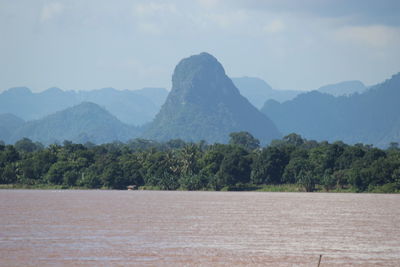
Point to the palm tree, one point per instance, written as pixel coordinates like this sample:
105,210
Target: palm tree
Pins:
188,158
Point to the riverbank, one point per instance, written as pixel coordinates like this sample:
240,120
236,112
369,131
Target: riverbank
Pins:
41,187
244,187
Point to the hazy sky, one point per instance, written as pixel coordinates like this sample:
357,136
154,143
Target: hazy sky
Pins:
292,44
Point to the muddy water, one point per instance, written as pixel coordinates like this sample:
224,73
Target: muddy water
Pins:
150,228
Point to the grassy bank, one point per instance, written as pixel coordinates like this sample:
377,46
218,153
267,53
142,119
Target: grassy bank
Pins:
388,188
275,188
39,186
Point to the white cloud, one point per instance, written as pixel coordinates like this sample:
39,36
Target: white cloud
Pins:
51,10
372,36
274,26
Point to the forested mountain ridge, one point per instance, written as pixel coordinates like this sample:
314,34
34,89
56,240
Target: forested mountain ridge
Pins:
9,123
81,123
372,117
204,104
134,107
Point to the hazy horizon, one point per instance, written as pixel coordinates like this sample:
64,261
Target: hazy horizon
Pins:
85,45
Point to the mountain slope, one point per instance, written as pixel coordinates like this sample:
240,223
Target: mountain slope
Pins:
9,123
257,91
156,95
127,105
204,104
130,106
84,122
372,117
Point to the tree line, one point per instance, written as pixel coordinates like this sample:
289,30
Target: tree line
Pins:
177,165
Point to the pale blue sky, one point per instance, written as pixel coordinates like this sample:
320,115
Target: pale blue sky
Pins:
89,44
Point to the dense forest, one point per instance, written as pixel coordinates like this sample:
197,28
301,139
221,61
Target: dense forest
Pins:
177,165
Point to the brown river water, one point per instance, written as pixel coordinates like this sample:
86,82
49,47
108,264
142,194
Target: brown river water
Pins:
153,228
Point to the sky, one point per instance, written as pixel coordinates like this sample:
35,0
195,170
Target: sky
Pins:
131,44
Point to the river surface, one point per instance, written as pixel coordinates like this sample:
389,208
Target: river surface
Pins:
153,228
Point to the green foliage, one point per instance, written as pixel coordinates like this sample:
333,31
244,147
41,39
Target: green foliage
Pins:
291,164
280,188
306,180
235,167
168,181
188,159
293,139
9,155
70,177
269,165
89,179
244,139
8,174
56,173
112,176
132,170
193,182
328,182
26,145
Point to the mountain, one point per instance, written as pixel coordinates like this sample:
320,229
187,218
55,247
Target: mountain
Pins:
130,106
372,117
21,102
204,104
257,91
156,95
343,88
84,122
9,123
127,105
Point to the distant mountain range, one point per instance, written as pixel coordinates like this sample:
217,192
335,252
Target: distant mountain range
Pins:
81,123
131,107
372,117
343,88
204,104
257,91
